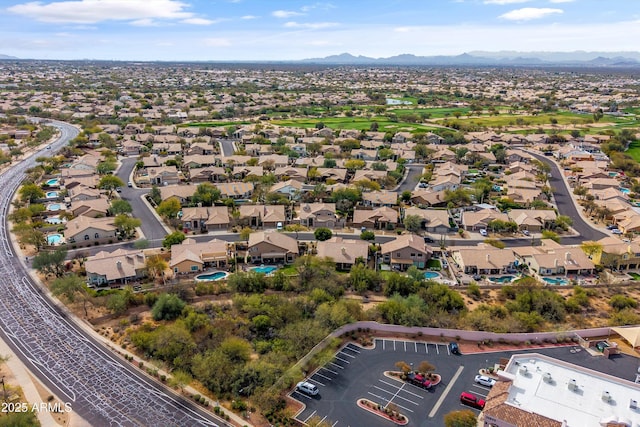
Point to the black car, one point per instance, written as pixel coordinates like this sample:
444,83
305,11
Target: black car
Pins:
428,239
453,348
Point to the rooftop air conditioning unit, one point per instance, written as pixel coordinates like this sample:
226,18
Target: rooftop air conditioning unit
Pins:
633,404
547,377
572,385
523,370
606,396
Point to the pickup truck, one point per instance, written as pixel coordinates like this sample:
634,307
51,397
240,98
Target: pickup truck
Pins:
418,380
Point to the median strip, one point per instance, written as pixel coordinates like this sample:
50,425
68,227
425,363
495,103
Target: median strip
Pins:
446,391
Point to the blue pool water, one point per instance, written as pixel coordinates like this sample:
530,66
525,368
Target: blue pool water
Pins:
265,269
502,279
624,190
52,182
431,275
216,275
55,220
555,281
52,194
54,239
54,207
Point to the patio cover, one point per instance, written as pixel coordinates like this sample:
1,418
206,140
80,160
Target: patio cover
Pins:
632,335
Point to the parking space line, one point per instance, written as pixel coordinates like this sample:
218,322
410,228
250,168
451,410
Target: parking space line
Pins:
327,369
405,346
426,347
352,349
416,344
334,424
323,376
346,354
301,394
448,351
383,398
309,417
396,396
336,365
322,420
383,344
342,360
445,392
405,390
437,349
316,381
394,345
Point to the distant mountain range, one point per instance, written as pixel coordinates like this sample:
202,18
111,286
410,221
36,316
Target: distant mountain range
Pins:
7,57
503,58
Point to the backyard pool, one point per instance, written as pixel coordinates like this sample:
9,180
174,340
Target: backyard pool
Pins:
54,207
52,194
265,269
624,190
430,275
216,275
56,220
53,182
555,281
54,239
502,279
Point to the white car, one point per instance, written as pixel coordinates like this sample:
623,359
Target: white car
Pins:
485,380
307,388
616,231
483,232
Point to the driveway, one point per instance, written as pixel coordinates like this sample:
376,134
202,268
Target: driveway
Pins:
413,175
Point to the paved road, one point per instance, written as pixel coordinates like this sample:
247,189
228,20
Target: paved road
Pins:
70,361
413,175
226,147
151,226
566,205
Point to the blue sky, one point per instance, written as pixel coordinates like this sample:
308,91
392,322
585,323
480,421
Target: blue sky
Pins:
289,29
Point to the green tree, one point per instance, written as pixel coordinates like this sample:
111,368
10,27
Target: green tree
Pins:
368,235
120,206
110,183
462,418
126,225
71,287
174,238
412,223
169,208
548,234
105,168
155,195
322,233
591,248
206,194
50,262
30,193
167,307
118,303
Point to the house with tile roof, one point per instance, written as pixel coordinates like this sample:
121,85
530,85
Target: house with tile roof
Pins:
404,251
344,252
120,266
193,257
272,247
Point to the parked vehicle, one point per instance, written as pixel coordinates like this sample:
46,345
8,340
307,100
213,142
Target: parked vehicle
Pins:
471,400
129,184
616,231
483,232
453,347
419,380
526,232
485,380
428,239
307,388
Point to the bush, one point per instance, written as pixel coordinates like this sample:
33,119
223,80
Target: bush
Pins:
167,307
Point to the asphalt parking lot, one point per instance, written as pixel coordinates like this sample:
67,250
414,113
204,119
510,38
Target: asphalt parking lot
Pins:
359,373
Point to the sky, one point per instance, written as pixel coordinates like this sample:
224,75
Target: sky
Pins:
263,30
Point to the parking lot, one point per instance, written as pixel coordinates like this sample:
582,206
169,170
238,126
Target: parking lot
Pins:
359,373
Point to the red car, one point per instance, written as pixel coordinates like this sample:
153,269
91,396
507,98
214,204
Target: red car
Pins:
471,400
419,380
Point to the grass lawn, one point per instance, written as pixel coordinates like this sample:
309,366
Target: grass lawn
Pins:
358,123
634,150
635,276
434,264
289,270
563,118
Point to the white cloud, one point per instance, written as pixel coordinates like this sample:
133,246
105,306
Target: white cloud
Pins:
529,13
217,42
93,11
310,25
199,21
502,2
146,22
561,1
248,17
285,13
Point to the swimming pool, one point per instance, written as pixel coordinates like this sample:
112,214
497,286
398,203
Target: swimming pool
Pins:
431,275
54,239
502,279
55,220
265,269
624,190
555,281
54,207
216,275
53,182
52,194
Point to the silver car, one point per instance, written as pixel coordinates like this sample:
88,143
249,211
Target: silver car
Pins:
485,380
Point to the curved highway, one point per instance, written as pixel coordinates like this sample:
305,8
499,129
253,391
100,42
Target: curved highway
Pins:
100,387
